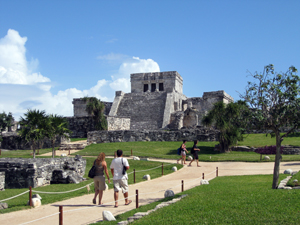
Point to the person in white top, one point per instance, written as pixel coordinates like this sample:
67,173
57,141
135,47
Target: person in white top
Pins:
120,177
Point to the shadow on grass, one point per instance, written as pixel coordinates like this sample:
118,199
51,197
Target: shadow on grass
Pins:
297,134
204,150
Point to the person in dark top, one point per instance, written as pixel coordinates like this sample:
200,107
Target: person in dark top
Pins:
195,151
99,179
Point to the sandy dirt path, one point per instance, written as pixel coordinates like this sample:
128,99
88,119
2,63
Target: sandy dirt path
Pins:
80,210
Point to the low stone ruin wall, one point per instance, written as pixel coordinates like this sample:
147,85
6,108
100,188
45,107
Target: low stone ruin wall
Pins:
12,141
23,173
201,134
80,126
2,181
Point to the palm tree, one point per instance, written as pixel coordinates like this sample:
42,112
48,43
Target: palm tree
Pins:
95,108
33,127
57,126
229,119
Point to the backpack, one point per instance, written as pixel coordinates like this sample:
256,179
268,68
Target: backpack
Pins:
179,151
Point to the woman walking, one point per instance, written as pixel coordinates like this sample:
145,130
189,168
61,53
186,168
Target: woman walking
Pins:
183,152
195,151
99,179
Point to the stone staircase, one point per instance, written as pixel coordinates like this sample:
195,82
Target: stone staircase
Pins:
77,145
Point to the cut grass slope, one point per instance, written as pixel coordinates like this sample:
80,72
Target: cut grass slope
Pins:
228,200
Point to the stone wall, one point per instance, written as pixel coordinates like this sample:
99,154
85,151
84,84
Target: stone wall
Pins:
145,110
200,134
118,123
169,80
79,106
80,126
22,173
2,181
13,141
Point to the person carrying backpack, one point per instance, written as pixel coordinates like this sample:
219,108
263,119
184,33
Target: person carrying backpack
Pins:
183,153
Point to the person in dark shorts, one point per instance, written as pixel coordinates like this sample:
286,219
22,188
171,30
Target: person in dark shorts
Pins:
195,151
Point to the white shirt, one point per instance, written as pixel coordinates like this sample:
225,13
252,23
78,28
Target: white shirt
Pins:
116,164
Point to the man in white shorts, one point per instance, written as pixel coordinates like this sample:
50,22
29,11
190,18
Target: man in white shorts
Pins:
120,179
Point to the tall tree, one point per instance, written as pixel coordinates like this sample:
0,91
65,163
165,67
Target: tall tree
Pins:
33,127
96,108
275,103
57,126
5,122
229,120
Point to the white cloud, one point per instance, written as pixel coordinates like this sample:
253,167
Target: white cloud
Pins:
23,88
13,64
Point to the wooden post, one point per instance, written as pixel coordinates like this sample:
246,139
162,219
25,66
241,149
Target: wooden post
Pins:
162,169
38,152
133,175
0,151
181,185
69,151
203,176
131,152
30,196
137,198
217,172
60,215
54,152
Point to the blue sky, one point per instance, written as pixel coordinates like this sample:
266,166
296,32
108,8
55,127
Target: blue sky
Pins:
54,51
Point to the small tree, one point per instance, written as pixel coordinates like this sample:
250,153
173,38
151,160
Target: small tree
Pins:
57,126
229,120
33,127
274,100
5,122
96,108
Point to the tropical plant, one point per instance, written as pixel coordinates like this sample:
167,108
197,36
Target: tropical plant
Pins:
275,103
95,108
229,119
33,127
57,126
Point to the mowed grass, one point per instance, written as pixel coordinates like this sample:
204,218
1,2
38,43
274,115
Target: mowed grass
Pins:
168,150
20,202
227,200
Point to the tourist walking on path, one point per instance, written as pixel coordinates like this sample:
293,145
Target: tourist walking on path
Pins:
195,151
99,179
118,169
183,152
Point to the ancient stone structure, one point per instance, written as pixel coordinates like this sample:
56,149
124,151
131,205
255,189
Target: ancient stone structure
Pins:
200,134
22,173
12,141
156,101
2,181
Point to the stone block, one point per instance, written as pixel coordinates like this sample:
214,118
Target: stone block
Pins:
108,216
204,182
136,158
36,202
147,177
3,205
266,158
189,158
169,193
174,168
288,171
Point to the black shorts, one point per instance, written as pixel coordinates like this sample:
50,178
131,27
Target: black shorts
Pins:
195,155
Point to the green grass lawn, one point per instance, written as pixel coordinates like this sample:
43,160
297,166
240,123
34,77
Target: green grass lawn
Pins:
228,200
168,150
20,202
23,153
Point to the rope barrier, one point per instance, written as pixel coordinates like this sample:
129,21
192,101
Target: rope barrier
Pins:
14,196
39,219
43,192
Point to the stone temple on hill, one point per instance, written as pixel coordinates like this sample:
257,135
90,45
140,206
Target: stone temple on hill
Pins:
156,101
